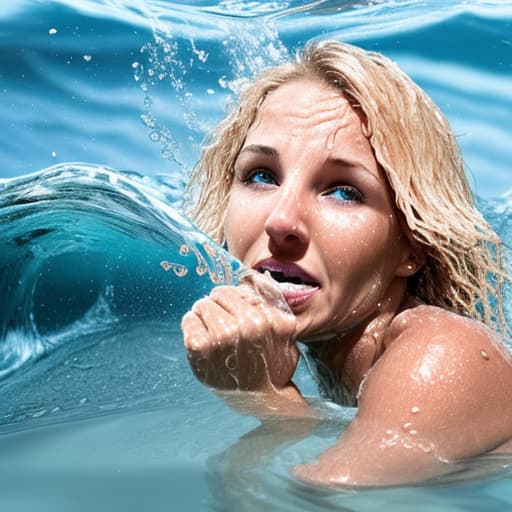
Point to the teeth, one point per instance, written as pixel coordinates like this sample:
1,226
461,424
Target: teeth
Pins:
291,287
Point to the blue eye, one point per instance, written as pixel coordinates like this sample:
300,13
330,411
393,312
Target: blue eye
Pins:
261,177
345,194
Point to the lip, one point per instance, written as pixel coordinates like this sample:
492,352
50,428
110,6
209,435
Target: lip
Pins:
294,294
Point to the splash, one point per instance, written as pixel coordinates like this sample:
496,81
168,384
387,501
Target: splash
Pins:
85,250
182,65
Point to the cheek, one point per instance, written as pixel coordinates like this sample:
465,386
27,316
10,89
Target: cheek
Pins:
241,226
360,244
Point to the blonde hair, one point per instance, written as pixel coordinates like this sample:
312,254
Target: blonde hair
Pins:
414,144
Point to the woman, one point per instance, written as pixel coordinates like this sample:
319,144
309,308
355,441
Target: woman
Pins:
340,180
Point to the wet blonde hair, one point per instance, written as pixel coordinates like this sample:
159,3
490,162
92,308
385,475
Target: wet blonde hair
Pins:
415,146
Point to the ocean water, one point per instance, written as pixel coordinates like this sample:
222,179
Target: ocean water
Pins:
104,107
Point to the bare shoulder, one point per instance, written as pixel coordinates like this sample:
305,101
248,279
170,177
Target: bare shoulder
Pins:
448,376
423,327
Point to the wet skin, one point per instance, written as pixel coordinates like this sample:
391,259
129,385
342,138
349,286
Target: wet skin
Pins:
310,206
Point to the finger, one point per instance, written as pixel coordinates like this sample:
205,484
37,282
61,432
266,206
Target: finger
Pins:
194,331
222,327
235,299
250,308
253,317
267,289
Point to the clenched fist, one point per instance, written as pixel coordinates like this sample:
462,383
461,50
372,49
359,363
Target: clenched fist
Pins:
242,337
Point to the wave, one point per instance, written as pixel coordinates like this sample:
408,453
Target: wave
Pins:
86,248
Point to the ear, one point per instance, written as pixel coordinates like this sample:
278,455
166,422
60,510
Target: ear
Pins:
412,261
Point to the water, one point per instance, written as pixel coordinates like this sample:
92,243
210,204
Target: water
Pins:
98,406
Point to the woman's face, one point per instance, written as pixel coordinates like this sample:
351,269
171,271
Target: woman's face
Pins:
310,205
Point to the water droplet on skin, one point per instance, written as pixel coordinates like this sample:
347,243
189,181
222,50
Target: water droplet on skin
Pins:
413,432
415,409
407,425
484,354
230,362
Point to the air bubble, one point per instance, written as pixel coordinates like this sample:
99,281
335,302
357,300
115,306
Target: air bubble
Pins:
184,249
154,136
88,58
52,31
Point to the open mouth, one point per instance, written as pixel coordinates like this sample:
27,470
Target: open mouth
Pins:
282,277
296,285
286,273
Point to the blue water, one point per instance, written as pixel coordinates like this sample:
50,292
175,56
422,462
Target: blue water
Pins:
98,408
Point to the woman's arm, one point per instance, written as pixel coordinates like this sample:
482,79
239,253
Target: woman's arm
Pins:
440,393
242,338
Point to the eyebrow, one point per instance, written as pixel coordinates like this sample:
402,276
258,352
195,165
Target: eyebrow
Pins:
261,149
338,162
346,162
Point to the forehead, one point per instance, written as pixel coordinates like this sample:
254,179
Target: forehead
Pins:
307,117
307,100
307,105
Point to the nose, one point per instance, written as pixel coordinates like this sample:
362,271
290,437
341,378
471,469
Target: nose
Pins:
287,226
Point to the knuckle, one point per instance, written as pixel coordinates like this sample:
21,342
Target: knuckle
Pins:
219,292
199,304
194,343
188,320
